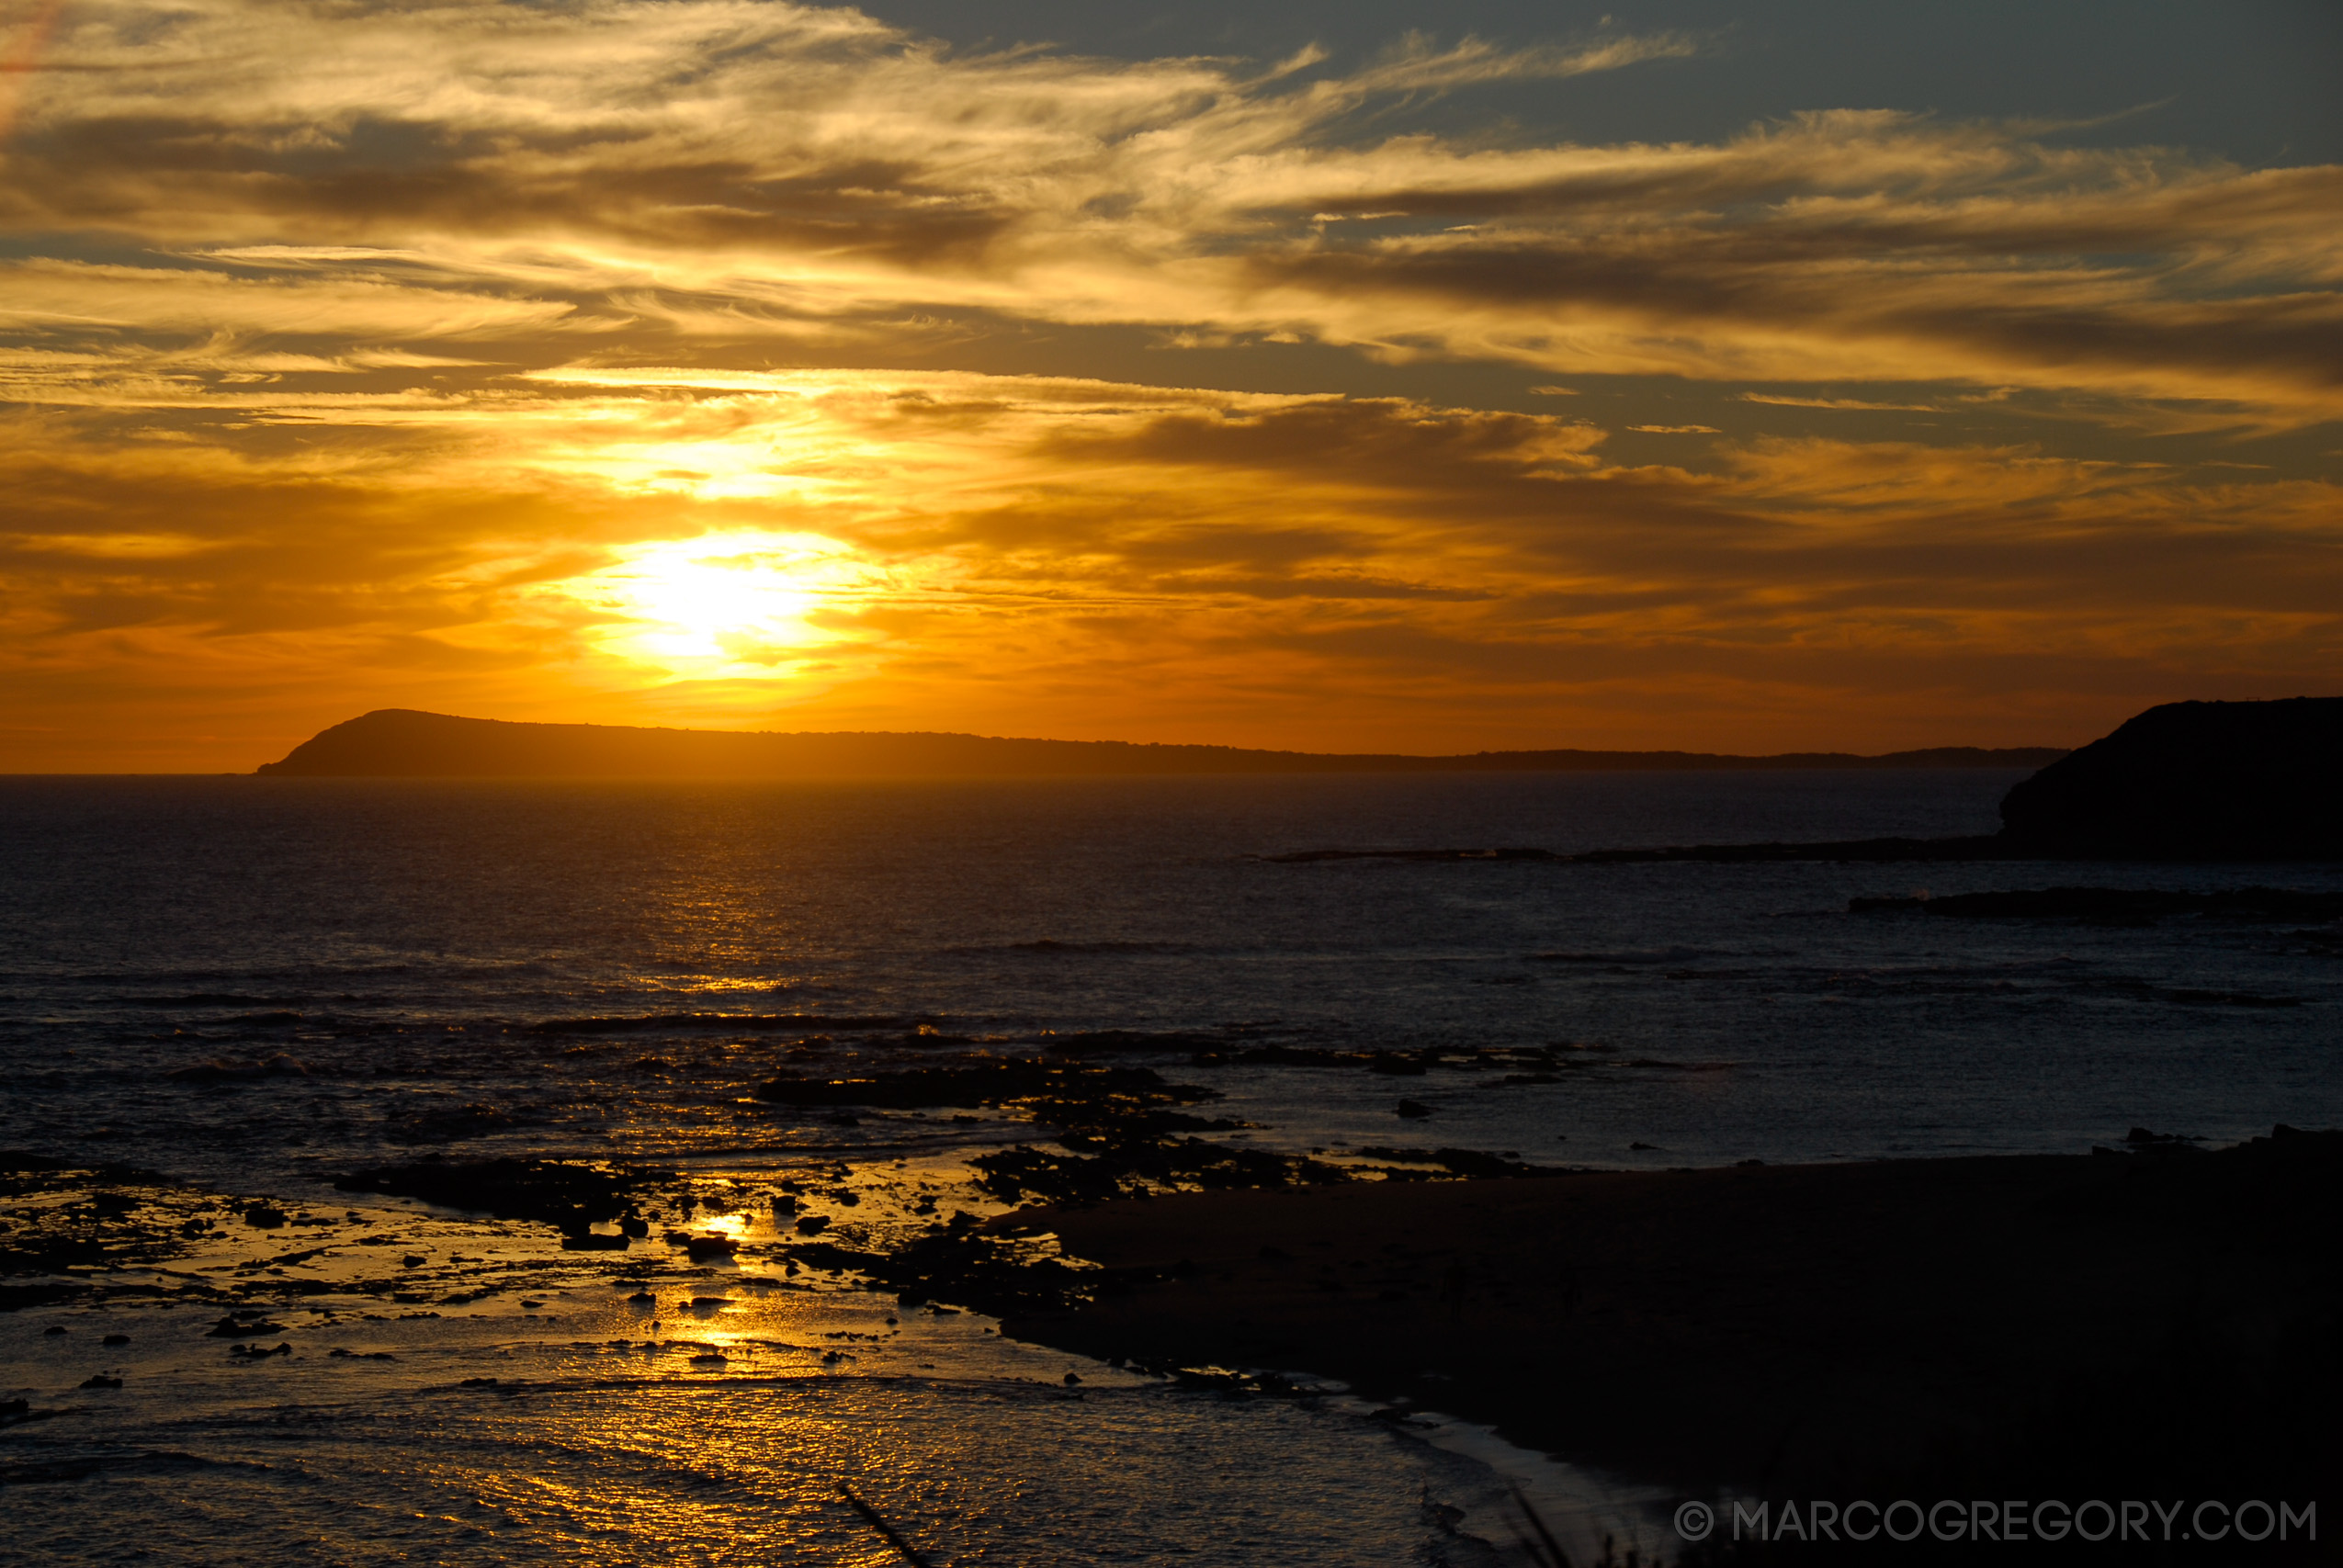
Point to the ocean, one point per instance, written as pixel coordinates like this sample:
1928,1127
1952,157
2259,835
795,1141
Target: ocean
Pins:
220,995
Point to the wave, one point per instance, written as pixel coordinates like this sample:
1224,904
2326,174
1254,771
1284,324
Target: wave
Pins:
1646,956
749,1022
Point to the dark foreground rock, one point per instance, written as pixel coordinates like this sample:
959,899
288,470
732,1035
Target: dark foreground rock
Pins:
2193,781
552,1191
1051,1090
89,1220
2077,1326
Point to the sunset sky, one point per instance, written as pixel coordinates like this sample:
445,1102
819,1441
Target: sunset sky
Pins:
1326,375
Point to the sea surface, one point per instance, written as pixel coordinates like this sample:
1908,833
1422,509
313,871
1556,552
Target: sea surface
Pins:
386,970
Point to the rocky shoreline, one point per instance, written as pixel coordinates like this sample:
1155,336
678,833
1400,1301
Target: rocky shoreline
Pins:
1946,1322
2153,1314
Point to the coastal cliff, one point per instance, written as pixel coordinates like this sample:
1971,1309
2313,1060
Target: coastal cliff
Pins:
402,743
2192,781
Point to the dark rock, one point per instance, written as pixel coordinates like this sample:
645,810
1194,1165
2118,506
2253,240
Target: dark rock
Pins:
988,1272
1114,1162
586,1241
1460,1162
570,1196
115,1339
242,1326
1412,1110
55,1328
2193,781
813,1224
1981,846
99,1380
707,1248
1019,1080
264,1216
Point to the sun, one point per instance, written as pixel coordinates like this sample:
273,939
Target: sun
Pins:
724,604
699,602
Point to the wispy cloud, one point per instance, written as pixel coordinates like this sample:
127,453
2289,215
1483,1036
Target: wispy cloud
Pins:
384,336
1780,400
714,165
1017,552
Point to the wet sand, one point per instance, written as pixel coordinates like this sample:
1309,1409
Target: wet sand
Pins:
2035,1320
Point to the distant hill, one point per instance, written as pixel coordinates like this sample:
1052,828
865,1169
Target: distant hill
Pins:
402,743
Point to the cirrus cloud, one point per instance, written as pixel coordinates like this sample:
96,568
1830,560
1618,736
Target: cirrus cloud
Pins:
348,347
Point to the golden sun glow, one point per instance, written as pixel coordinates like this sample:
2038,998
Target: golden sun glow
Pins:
725,365
722,604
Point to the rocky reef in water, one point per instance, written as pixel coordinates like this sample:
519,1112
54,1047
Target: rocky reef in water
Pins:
2192,781
2183,782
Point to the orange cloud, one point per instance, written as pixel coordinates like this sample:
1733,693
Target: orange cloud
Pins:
1011,553
649,362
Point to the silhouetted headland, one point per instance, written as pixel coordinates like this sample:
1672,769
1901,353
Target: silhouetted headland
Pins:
403,743
2193,781
2182,782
